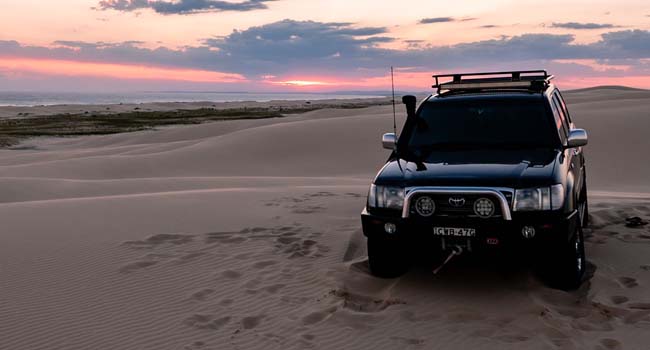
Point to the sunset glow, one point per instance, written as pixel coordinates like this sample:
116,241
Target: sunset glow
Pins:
18,66
300,83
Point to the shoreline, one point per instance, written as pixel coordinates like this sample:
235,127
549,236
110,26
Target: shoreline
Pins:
11,111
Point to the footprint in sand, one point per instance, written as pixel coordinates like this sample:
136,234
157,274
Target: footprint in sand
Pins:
635,317
287,240
274,288
408,341
320,194
251,322
639,306
619,299
311,209
231,274
301,248
226,302
628,282
189,257
243,256
161,241
212,237
318,316
362,303
200,321
203,294
271,289
162,238
610,344
195,345
225,237
138,265
264,264
301,205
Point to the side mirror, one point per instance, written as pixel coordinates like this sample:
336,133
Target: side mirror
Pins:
577,138
388,141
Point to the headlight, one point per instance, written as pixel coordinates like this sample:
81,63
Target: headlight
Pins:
543,198
386,197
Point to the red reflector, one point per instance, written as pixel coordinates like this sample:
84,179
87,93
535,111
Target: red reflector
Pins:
493,241
547,226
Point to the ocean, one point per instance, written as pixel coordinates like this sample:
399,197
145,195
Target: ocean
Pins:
63,98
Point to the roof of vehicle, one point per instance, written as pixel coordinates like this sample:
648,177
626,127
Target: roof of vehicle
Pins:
487,95
530,81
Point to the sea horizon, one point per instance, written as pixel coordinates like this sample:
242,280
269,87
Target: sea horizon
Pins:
42,98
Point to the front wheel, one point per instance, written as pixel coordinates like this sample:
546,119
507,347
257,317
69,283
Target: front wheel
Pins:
566,269
386,257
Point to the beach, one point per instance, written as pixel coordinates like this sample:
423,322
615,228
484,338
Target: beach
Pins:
245,234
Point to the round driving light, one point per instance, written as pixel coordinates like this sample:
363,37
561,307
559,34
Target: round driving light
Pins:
528,232
484,207
390,228
425,206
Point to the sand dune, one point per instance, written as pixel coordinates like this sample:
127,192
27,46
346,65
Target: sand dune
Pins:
245,235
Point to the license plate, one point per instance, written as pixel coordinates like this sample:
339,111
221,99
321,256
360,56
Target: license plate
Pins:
454,231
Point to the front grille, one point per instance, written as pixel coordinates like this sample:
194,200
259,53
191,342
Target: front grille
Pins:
457,205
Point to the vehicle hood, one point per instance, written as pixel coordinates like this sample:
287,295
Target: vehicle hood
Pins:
503,168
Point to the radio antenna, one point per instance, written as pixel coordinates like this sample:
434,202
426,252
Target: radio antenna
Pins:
392,85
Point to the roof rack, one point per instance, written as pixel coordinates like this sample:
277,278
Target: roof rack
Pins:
530,80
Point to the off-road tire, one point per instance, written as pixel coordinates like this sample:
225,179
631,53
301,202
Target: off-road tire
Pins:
565,270
386,257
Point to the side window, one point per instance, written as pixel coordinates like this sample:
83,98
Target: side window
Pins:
560,99
558,122
558,106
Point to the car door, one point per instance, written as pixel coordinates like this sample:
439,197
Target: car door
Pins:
575,156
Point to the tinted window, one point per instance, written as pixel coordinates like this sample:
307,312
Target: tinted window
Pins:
484,123
558,106
560,99
558,121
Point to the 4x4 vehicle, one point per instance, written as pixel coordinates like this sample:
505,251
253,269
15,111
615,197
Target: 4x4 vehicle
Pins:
492,161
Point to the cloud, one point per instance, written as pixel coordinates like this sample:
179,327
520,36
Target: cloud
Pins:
436,20
444,20
280,45
576,25
299,49
183,6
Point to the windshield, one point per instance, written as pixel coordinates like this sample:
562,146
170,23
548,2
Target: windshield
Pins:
483,123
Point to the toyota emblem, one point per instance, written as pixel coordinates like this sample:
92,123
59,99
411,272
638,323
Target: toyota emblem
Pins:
456,201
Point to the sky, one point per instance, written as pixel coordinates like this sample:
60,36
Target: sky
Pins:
312,45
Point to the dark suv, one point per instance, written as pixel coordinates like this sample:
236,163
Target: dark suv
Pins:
492,162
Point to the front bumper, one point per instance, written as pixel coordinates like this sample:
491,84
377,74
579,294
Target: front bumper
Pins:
551,229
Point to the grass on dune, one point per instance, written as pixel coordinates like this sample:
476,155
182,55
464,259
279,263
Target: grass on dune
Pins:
13,130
